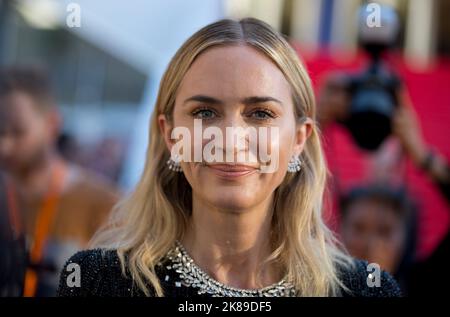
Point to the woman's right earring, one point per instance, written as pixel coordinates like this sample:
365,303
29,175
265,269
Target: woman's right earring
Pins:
294,165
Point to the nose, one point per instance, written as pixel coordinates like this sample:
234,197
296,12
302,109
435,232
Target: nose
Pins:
236,135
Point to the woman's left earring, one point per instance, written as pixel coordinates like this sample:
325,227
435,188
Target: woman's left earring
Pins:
174,165
294,164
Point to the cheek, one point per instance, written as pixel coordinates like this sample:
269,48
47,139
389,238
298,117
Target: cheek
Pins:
33,138
347,234
354,233
193,173
398,237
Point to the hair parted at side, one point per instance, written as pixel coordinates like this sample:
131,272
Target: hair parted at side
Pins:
145,224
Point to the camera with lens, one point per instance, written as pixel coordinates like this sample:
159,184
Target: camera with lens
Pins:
373,92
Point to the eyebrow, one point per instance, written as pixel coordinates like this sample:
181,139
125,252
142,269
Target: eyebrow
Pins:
247,101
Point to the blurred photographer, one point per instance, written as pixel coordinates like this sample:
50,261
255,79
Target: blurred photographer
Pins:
373,106
334,106
365,102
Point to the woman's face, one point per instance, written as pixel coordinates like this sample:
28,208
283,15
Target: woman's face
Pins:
236,87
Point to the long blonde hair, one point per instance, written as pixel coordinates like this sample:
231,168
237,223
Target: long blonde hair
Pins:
145,224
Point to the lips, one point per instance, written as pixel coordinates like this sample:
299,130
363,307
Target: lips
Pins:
232,170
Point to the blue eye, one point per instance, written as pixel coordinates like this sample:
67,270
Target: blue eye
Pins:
263,115
204,114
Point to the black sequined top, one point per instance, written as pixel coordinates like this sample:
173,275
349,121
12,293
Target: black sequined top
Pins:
101,275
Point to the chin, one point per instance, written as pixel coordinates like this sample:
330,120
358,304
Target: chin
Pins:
233,200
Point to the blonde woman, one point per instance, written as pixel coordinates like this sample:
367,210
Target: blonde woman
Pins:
221,228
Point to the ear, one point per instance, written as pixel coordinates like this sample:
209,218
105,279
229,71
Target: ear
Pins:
54,123
166,130
302,133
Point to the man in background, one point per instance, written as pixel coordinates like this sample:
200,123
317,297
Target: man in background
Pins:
53,206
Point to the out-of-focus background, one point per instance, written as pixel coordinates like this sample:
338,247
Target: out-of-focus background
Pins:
106,71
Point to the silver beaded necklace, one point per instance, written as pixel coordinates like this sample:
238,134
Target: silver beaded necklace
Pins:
193,276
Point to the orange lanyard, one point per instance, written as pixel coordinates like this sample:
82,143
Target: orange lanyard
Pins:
44,221
13,210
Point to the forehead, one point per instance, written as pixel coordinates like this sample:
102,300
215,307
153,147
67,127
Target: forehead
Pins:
234,71
17,107
372,211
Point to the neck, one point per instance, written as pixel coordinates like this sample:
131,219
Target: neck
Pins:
36,178
230,246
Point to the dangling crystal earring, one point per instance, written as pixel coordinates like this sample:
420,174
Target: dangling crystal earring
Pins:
174,164
294,164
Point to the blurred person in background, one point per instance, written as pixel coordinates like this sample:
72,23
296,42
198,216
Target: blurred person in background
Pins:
378,224
51,205
384,215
